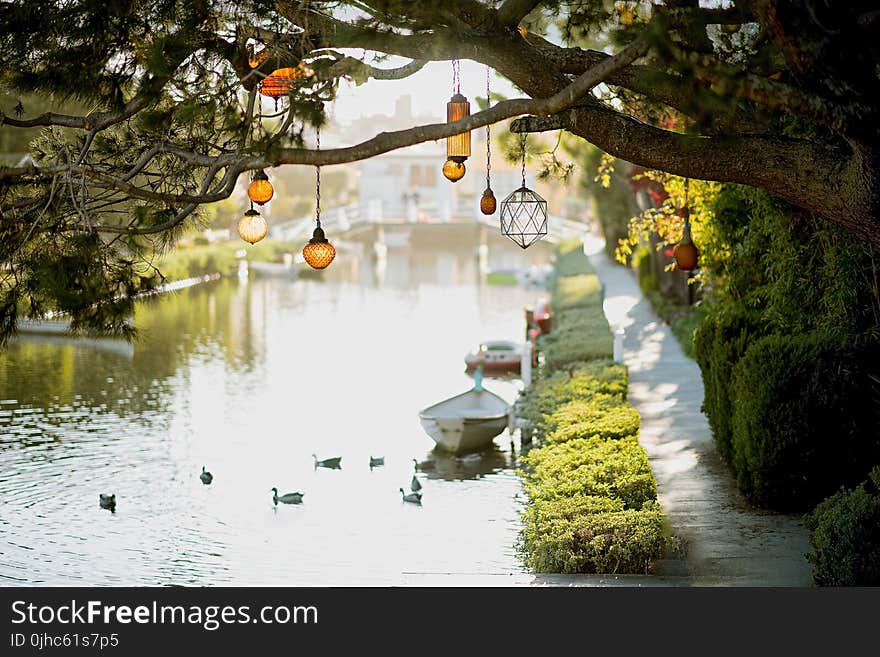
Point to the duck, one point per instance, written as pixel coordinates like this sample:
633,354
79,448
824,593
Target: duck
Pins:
334,463
415,485
206,476
287,498
376,461
107,501
412,498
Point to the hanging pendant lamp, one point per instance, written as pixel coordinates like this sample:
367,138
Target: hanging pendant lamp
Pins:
252,227
458,147
524,212
487,201
260,190
318,253
686,254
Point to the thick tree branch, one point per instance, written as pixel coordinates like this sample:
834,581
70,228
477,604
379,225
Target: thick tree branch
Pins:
511,12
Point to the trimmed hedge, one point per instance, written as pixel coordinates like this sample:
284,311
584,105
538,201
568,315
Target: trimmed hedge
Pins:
720,341
845,536
802,419
586,381
592,496
601,416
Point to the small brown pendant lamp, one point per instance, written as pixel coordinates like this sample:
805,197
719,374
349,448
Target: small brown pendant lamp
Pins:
458,147
686,254
318,253
487,201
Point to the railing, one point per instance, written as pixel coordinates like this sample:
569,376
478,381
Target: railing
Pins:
344,218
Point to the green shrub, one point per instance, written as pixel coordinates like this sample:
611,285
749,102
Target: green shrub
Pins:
574,292
845,536
802,423
570,259
591,466
592,496
641,263
583,381
602,416
719,342
604,542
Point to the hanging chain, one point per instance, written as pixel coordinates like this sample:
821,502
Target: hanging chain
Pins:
522,146
456,76
318,181
686,211
488,134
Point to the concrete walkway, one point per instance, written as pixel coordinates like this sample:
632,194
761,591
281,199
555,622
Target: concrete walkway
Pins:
726,541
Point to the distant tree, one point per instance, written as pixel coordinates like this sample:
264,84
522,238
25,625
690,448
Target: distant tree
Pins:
779,95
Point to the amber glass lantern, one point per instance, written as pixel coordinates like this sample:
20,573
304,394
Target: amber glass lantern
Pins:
252,227
260,190
279,82
487,202
458,147
318,253
453,171
685,253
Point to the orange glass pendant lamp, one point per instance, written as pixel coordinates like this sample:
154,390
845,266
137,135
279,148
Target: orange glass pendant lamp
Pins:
319,253
488,203
686,254
260,190
279,82
458,147
252,227
453,171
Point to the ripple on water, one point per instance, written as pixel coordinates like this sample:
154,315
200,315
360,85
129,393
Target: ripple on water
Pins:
251,396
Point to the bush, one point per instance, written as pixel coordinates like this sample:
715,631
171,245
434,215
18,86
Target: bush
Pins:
584,381
592,466
592,495
845,536
605,542
602,416
802,423
719,342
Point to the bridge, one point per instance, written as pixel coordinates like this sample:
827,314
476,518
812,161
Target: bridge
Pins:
348,218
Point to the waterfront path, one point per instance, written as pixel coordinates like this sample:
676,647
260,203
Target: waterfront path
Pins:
726,541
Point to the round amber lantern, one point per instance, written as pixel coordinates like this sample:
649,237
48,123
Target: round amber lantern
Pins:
318,253
260,190
453,171
252,227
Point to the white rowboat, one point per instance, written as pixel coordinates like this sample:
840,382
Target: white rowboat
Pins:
468,421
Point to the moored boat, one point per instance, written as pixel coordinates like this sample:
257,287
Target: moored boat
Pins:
468,421
497,355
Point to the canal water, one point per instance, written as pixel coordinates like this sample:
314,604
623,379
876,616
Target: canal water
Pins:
250,378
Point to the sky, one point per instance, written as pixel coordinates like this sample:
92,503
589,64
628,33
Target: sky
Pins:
430,89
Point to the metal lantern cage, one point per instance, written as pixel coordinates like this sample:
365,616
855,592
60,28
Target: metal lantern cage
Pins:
524,217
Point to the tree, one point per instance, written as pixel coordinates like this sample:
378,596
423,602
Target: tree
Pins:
779,95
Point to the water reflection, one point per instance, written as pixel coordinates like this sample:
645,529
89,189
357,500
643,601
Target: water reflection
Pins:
250,378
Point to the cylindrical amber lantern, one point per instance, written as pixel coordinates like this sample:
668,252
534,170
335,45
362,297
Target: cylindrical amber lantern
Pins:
279,82
318,253
487,202
252,227
260,190
458,147
685,252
